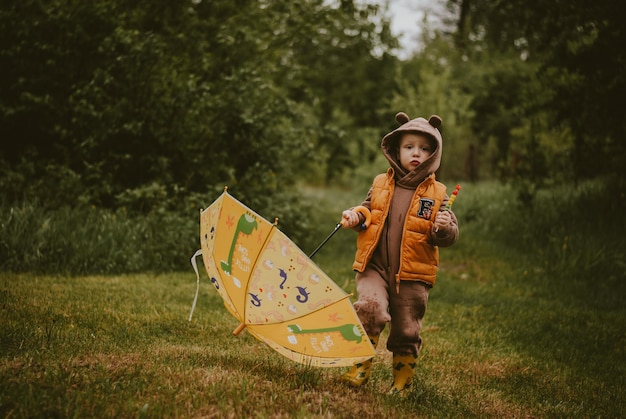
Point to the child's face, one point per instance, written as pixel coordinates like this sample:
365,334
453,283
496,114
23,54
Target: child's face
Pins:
414,149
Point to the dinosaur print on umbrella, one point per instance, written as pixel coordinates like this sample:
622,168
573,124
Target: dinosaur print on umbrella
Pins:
246,225
350,332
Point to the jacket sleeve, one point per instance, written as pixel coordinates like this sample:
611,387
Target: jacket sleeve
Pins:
368,200
367,204
447,236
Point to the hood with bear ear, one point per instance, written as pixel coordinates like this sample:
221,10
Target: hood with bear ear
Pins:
391,142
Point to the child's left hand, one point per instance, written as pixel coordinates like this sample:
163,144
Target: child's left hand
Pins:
442,220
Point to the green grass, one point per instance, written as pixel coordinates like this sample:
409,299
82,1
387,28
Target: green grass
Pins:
504,336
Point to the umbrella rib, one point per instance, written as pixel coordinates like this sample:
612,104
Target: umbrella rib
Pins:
243,325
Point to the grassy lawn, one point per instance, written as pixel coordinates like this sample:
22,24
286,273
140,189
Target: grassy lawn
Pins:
498,342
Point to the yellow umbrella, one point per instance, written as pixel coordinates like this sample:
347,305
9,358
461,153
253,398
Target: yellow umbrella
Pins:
275,291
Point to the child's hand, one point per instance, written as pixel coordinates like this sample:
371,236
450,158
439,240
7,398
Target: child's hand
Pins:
442,220
350,219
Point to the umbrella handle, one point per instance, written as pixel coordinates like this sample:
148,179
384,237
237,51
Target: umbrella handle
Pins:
360,209
366,213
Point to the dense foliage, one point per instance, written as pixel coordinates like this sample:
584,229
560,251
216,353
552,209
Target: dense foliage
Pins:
141,104
121,109
546,83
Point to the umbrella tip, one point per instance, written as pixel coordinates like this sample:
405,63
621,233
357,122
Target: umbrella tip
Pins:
225,188
276,221
239,329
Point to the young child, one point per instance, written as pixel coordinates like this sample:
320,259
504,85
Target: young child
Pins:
397,256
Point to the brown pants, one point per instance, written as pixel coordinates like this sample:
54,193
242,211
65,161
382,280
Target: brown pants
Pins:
379,303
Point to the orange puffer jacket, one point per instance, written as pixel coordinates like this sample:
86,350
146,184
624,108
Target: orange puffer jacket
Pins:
419,259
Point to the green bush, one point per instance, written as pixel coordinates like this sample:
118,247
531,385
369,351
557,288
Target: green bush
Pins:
86,240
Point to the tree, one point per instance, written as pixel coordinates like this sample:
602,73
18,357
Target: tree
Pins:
572,88
144,103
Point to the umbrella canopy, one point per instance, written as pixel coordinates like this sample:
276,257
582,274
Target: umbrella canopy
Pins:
275,291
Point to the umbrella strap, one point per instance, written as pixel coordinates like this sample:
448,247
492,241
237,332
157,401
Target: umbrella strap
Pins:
195,268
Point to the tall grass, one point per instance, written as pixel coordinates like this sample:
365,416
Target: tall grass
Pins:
88,240
568,236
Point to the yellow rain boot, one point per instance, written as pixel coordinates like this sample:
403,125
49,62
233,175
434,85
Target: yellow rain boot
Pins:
359,374
403,371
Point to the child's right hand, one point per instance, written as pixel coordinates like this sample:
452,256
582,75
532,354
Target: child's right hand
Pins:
350,219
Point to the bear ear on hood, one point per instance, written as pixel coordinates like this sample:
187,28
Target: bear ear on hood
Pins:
402,118
434,120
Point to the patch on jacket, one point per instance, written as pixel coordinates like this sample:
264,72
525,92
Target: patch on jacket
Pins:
426,208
